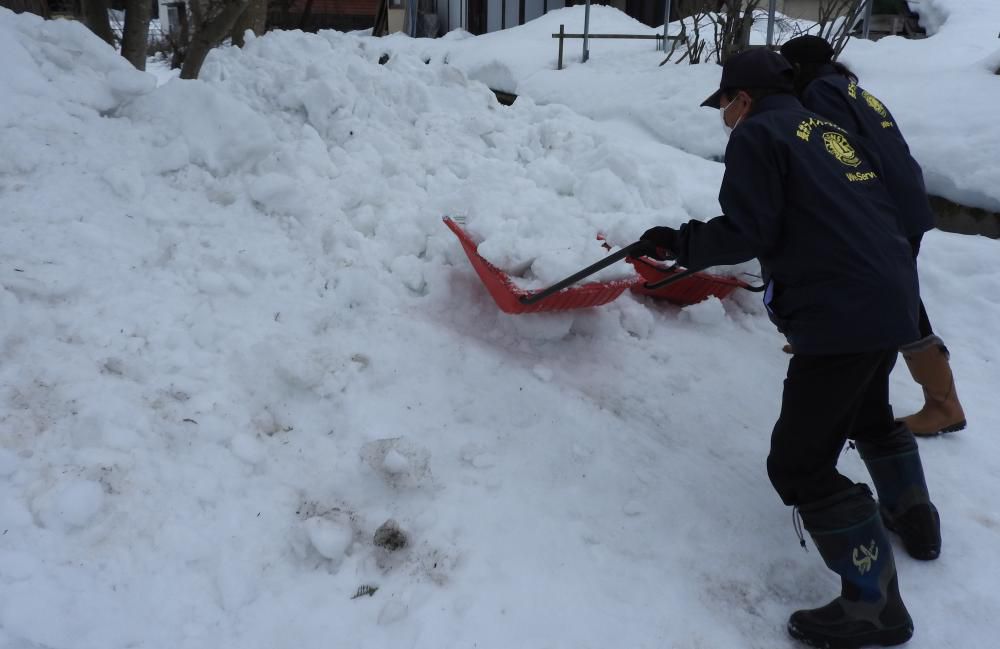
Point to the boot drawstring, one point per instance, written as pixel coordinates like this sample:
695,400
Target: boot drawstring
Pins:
797,523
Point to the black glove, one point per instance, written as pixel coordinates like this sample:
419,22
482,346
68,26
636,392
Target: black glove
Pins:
659,243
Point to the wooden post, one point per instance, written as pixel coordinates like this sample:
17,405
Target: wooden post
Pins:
562,30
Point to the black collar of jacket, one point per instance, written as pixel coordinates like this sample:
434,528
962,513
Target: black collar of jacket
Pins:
776,102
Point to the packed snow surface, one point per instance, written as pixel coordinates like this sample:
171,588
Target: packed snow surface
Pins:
236,341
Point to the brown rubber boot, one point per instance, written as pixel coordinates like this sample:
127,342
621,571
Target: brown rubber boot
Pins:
942,413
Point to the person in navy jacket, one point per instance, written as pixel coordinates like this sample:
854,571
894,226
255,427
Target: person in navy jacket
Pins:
809,201
831,89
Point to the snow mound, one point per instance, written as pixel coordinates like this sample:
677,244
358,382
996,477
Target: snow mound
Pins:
236,340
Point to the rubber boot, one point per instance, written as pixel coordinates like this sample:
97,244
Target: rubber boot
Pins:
942,412
904,502
849,534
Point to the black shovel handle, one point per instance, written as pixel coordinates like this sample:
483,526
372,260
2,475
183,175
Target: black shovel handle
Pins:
670,280
628,251
687,273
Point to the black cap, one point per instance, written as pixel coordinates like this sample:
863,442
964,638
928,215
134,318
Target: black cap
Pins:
808,50
758,68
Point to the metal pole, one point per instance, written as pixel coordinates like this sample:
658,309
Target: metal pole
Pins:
868,19
562,30
771,7
586,32
666,21
503,14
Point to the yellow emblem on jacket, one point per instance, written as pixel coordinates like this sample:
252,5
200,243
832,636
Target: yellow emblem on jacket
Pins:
874,103
841,149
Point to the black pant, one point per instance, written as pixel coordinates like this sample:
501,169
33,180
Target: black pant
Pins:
826,400
925,322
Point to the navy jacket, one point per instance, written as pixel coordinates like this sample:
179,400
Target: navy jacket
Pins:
843,102
805,198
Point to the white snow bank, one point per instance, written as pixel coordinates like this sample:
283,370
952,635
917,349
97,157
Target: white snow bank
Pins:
943,90
940,88
220,374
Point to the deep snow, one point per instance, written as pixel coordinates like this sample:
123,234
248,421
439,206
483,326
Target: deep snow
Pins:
235,339
942,90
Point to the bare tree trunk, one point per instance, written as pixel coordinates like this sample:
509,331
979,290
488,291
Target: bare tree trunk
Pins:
742,36
210,30
253,18
135,37
732,28
95,13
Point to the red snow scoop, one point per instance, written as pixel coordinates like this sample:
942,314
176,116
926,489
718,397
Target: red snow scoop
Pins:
512,299
682,287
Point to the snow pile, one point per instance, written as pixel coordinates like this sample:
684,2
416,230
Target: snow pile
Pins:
621,84
404,155
253,395
937,88
941,89
301,110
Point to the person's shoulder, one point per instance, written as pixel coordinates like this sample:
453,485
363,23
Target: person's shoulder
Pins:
754,129
782,121
835,81
769,131
827,86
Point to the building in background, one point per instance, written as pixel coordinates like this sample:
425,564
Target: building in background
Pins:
313,15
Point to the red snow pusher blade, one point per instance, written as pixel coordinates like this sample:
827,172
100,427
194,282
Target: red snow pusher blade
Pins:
512,299
689,289
670,283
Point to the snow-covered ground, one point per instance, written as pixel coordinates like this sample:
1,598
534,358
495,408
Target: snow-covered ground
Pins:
942,89
235,340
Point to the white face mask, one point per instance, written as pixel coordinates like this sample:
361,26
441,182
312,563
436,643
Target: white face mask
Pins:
722,116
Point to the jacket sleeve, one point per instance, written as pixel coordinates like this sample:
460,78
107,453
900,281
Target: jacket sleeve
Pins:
714,243
752,199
